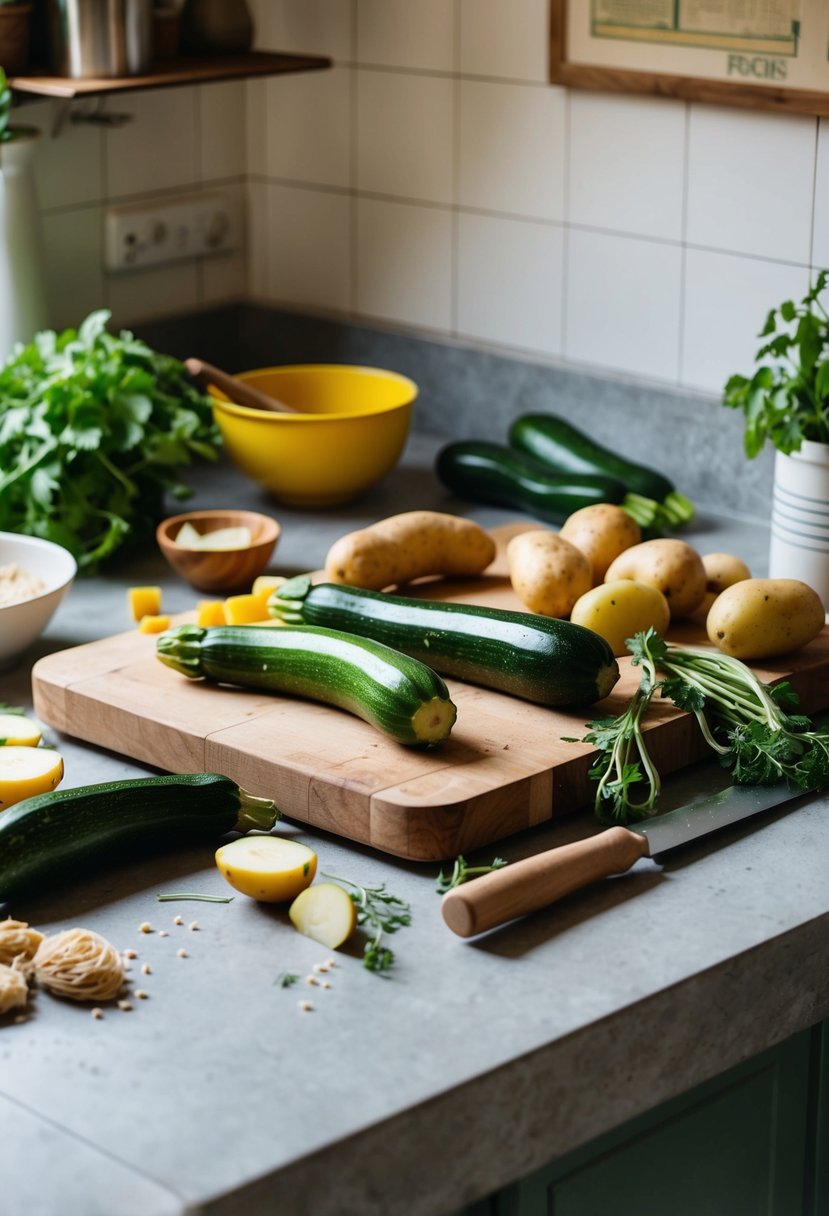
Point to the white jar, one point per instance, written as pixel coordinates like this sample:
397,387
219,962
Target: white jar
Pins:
800,517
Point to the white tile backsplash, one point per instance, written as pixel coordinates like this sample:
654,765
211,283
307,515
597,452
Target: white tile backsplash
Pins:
751,182
157,149
397,33
627,164
504,40
434,179
405,135
510,282
622,307
309,248
512,143
308,120
727,299
404,259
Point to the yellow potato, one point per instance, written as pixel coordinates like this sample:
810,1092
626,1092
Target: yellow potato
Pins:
601,531
547,573
672,566
326,913
409,546
16,730
618,610
721,570
758,618
270,869
26,771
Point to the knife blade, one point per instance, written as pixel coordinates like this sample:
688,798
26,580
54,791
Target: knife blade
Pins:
536,882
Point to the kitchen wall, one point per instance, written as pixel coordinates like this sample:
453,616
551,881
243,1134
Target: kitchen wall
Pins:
434,183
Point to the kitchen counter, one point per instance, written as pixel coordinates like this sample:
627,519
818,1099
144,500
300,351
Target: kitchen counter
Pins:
471,1064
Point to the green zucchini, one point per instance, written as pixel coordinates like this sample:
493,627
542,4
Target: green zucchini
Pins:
565,449
540,659
64,831
397,694
494,473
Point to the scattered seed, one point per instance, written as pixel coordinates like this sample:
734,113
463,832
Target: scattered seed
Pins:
145,927
125,1005
310,980
163,933
178,920
97,1013
320,967
305,1006
193,926
146,969
141,995
325,984
181,953
330,962
130,953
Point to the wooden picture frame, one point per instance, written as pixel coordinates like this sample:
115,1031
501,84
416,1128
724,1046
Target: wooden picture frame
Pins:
592,47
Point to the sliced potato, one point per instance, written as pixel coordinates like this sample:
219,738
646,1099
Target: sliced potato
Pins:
16,730
270,869
26,771
326,913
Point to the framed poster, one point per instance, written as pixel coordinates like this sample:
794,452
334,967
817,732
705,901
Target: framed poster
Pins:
764,54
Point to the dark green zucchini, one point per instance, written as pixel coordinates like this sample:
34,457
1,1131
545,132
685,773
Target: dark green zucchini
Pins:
565,449
397,694
493,473
59,833
538,658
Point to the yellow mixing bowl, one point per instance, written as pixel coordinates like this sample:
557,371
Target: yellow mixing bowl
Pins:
351,430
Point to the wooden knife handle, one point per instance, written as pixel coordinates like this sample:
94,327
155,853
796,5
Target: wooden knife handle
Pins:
525,886
237,390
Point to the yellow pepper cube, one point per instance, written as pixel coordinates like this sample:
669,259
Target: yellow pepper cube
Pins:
244,609
153,623
144,601
264,587
210,612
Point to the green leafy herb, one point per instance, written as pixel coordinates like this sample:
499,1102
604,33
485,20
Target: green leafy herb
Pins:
382,913
93,428
5,708
461,872
207,899
286,978
787,398
743,720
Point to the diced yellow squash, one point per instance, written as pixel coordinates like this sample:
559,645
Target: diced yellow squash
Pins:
210,612
244,609
264,587
153,623
26,771
16,730
144,601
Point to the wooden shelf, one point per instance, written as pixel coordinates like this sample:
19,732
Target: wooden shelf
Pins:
172,73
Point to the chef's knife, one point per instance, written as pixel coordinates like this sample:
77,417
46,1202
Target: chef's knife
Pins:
535,882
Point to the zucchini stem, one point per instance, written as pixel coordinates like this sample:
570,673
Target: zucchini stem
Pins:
259,814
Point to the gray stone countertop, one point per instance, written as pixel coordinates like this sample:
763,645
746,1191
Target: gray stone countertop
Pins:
471,1064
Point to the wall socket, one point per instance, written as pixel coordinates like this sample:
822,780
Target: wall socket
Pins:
152,234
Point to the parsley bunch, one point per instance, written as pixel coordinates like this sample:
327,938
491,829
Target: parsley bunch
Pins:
747,723
93,428
787,398
383,913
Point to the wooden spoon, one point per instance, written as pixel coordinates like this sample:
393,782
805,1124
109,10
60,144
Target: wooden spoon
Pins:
237,390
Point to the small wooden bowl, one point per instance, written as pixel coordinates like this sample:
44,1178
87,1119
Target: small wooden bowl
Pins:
221,570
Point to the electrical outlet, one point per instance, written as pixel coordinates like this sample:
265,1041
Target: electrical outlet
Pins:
152,234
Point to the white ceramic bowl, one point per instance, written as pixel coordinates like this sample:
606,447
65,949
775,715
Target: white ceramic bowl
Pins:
21,624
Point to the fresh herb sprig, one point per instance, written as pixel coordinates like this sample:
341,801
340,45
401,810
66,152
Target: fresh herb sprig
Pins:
382,913
93,429
787,398
745,722
461,871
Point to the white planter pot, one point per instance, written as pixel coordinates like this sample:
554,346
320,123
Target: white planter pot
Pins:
22,292
800,517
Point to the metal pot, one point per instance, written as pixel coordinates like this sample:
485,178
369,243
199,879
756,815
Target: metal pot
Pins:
101,38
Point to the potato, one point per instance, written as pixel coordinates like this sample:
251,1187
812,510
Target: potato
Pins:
16,730
270,869
409,546
758,618
326,913
547,573
672,566
26,771
601,532
721,570
618,610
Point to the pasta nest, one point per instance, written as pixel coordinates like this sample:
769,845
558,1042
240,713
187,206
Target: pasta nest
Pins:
80,965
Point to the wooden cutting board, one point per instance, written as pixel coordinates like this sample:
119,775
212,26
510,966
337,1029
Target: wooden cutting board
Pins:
506,766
